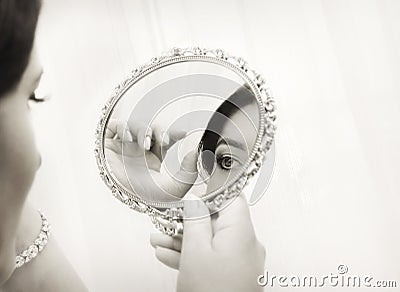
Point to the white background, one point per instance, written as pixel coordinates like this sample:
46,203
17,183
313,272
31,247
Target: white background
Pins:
334,69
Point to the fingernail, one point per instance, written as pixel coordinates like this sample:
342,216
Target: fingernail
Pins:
128,135
194,207
147,143
165,139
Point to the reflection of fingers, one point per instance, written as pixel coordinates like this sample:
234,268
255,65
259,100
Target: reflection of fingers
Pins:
166,241
135,128
161,137
128,136
138,129
176,135
124,133
161,141
168,257
180,183
144,138
119,129
111,130
171,137
187,173
112,145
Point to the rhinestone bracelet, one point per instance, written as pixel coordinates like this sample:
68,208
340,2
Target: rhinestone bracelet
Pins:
34,249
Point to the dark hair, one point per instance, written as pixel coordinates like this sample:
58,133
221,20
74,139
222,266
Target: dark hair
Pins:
240,98
18,21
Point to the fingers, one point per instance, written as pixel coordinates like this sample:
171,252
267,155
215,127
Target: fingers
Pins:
142,133
197,231
160,141
187,173
111,130
176,135
144,138
113,145
148,136
167,249
119,129
181,182
166,241
160,136
168,257
165,139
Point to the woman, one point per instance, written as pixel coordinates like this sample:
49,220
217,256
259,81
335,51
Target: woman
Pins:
20,73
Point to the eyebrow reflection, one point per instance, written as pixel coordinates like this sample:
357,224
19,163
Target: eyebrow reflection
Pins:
231,143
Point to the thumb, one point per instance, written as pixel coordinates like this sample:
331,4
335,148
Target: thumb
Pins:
197,230
180,183
233,222
188,171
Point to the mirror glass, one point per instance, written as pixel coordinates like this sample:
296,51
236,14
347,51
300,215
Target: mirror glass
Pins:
185,127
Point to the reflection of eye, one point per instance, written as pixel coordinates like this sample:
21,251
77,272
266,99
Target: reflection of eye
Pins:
226,162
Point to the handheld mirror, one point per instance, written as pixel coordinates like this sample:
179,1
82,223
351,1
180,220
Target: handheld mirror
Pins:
191,121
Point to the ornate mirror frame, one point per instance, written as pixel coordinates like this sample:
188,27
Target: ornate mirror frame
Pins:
168,217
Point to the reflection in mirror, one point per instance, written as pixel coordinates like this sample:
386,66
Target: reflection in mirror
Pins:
186,127
228,139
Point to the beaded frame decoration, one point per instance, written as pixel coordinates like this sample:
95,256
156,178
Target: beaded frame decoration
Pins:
168,217
37,246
